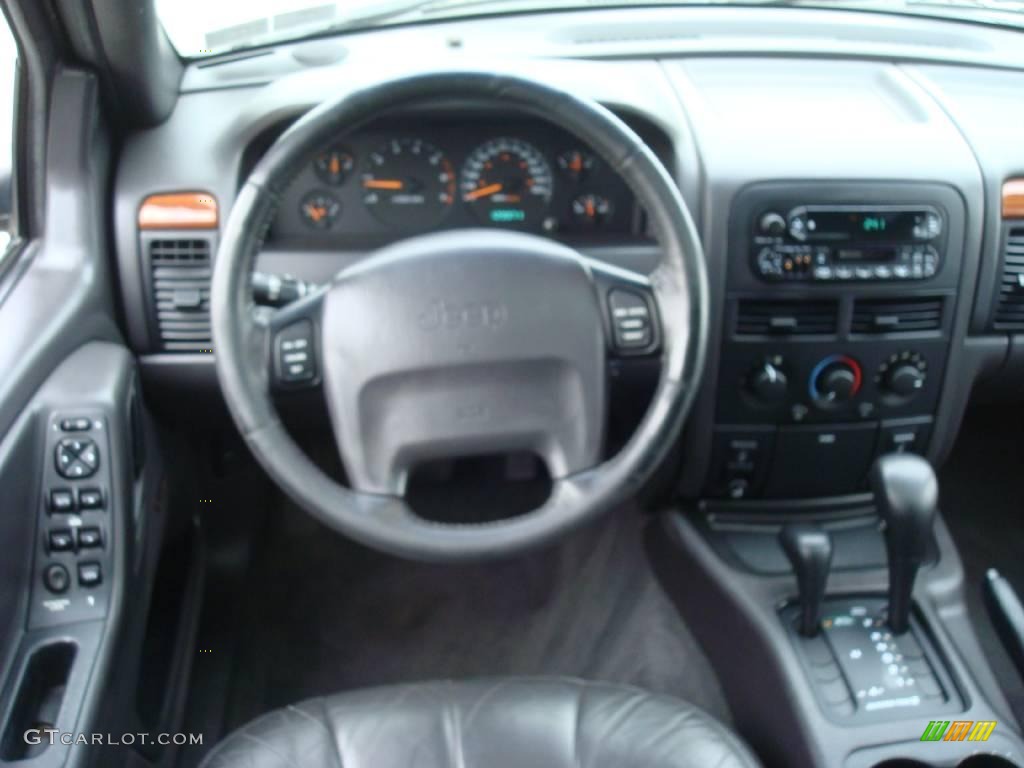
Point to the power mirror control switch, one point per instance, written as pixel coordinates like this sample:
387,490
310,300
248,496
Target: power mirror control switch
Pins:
76,458
632,325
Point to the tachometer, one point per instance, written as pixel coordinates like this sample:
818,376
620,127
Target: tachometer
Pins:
409,184
507,181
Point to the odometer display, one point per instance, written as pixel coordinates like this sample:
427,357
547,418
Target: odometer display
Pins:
507,182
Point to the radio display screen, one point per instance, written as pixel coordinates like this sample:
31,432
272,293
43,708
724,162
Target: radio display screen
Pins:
863,225
873,254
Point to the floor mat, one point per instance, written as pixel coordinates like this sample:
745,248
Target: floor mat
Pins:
323,615
982,501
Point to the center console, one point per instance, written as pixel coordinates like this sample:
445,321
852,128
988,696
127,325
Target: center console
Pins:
838,314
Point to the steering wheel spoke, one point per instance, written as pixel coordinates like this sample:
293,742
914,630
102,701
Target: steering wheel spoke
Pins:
294,344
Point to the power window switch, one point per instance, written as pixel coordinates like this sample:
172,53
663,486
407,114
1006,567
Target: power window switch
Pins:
89,574
62,500
90,498
89,538
61,540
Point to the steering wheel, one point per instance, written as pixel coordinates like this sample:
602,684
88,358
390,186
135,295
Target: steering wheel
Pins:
461,342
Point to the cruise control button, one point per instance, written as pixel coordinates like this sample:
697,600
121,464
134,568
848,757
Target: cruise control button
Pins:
89,538
632,325
62,500
90,498
89,574
61,540
294,359
56,578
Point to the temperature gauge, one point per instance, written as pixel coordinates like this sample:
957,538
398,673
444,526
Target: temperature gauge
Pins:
575,164
591,211
319,210
334,166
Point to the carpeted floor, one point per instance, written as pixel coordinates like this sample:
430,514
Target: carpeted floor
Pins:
323,615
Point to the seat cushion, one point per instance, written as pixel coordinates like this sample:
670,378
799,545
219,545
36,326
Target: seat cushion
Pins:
511,723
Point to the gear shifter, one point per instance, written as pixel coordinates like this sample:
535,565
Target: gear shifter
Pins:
809,549
907,495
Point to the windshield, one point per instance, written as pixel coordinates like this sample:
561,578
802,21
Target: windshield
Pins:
204,28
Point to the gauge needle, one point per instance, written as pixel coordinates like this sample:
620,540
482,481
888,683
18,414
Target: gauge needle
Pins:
382,184
487,191
316,212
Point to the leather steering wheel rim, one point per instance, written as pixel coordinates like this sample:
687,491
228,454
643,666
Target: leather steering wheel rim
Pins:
242,340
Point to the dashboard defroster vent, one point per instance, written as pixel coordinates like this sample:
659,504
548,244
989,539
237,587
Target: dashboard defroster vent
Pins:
1009,314
757,317
181,270
897,315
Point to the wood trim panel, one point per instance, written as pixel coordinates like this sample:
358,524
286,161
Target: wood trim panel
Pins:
179,210
1013,199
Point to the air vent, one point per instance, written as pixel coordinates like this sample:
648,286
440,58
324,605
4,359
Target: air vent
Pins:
897,315
1010,312
181,272
795,318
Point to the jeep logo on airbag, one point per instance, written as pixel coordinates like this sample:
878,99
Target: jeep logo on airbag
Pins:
454,316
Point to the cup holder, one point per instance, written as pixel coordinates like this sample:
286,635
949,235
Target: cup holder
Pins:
987,761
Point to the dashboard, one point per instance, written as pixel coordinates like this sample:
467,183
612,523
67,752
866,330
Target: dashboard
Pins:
419,173
830,338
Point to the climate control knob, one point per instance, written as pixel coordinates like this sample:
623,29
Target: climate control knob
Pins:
768,383
904,379
835,380
902,376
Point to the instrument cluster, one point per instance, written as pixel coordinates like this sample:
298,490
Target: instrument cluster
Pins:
411,176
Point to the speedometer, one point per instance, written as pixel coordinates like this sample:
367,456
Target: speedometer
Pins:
507,181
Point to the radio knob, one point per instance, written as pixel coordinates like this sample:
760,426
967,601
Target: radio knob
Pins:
768,384
835,380
772,224
904,379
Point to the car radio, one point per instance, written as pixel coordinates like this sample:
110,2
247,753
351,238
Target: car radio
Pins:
848,242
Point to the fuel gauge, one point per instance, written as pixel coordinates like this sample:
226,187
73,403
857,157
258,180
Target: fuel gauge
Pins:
591,211
334,166
319,210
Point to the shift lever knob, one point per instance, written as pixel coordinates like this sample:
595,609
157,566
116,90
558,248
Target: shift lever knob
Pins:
907,495
809,549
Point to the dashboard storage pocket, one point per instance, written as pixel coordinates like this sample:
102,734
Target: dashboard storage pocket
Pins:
821,460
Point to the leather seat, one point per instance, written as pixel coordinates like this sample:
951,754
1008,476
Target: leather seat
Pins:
513,723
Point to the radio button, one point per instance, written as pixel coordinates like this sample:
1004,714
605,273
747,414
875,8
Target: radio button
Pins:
863,273
844,273
823,273
883,272
901,271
